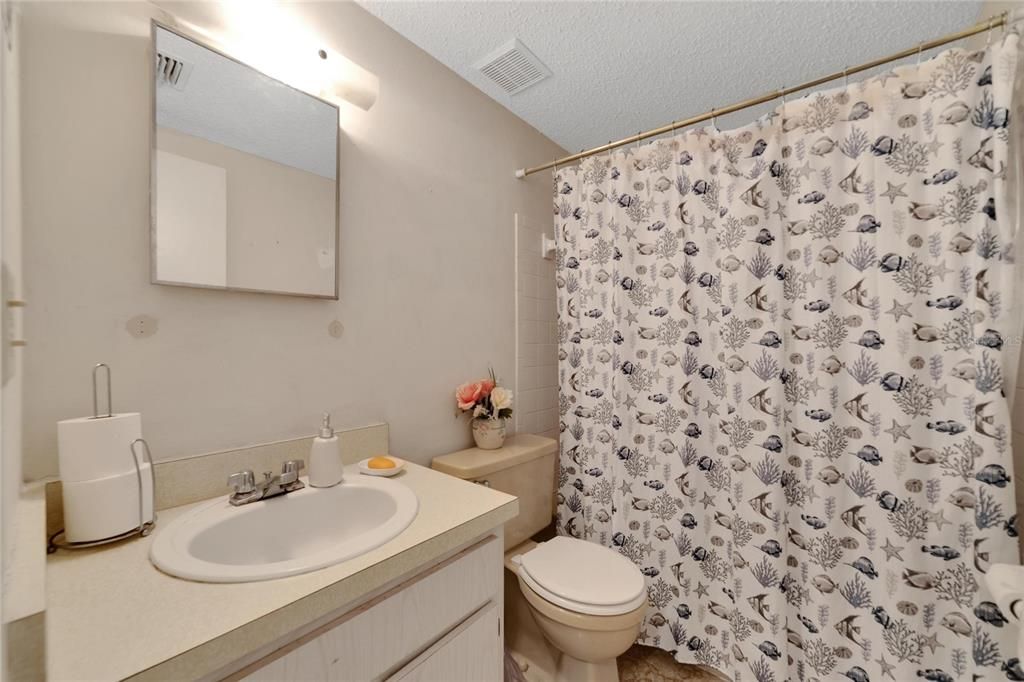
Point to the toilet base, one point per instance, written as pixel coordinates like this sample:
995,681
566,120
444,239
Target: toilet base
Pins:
523,638
539,639
570,669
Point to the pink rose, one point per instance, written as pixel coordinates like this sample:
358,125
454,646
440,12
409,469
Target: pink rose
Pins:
486,386
468,394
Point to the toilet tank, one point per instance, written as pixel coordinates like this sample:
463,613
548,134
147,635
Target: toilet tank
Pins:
524,467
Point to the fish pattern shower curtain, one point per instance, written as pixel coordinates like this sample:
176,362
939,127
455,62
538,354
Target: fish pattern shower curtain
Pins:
781,368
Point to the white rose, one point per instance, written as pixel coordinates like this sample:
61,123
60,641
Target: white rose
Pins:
501,398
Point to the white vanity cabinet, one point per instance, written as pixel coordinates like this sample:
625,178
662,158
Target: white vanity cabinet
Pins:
441,624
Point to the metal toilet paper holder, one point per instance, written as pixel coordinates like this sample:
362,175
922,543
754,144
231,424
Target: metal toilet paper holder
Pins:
145,527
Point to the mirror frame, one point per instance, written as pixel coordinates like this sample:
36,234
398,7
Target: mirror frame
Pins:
154,25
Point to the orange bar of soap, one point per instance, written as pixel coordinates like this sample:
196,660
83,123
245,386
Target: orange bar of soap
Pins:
381,463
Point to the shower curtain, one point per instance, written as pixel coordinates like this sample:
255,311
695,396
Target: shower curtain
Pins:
782,377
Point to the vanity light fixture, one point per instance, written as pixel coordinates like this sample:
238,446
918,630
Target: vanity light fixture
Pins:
343,79
275,38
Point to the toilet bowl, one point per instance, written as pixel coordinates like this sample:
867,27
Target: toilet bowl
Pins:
571,607
587,601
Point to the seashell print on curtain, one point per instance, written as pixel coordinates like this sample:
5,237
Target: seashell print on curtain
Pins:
781,369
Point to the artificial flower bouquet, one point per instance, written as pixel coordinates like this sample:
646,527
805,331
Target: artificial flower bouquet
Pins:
484,399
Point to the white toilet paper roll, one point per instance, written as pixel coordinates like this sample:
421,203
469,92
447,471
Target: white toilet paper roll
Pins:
105,507
92,448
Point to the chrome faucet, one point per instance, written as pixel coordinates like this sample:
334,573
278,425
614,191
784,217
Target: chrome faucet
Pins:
245,489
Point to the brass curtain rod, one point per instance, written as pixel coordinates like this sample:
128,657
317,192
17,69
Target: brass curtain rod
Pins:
994,21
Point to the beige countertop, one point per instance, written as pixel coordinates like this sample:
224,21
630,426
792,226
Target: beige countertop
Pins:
112,615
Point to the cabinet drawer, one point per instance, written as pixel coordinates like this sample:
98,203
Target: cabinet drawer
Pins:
380,637
472,652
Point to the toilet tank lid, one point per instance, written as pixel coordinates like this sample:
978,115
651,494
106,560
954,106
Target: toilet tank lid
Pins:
473,462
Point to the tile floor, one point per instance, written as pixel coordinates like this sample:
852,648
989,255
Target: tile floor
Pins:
647,664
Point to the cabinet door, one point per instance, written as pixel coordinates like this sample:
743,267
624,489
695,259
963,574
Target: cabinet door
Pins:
472,652
385,634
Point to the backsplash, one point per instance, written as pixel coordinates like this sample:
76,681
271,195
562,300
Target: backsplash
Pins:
192,479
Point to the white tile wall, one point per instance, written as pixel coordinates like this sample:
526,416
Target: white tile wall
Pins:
536,335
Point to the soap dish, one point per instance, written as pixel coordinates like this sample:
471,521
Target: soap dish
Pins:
364,469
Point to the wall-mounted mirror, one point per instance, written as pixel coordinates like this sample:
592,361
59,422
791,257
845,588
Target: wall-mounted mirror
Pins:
245,176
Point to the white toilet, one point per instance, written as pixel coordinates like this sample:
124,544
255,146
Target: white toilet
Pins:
571,606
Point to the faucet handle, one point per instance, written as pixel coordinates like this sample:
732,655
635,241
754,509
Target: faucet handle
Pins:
290,470
242,482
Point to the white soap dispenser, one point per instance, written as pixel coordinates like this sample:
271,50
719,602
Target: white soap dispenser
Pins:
325,467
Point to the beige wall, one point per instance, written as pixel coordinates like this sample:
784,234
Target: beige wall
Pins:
280,220
426,252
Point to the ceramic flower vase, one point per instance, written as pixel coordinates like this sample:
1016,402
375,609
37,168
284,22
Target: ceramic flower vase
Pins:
489,434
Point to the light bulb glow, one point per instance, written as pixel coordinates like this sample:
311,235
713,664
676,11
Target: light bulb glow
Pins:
265,35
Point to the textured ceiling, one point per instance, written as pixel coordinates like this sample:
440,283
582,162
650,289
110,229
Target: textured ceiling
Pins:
227,102
621,67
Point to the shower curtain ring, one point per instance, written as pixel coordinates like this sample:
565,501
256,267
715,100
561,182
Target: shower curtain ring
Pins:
988,35
846,77
920,47
714,120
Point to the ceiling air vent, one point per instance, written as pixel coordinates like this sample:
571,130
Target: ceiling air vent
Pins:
513,67
172,71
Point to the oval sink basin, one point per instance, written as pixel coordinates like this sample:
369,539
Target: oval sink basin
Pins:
285,535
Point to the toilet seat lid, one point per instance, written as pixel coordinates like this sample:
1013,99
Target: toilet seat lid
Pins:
584,576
